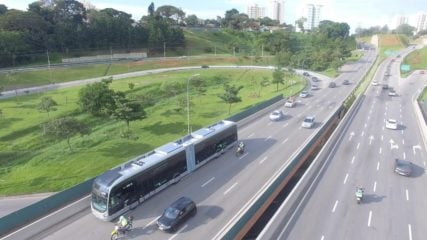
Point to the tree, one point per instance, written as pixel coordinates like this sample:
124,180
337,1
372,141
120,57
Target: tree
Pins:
172,88
231,95
151,9
278,76
3,9
173,14
262,84
47,104
127,110
192,21
300,23
65,128
96,98
405,29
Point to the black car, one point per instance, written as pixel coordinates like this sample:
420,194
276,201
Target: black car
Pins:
402,167
305,74
385,86
177,213
314,79
346,82
332,85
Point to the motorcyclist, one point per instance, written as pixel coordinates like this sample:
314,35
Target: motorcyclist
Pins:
241,146
359,192
122,223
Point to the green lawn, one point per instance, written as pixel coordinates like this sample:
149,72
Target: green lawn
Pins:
30,163
424,95
417,60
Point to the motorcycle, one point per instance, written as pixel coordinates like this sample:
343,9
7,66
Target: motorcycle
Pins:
119,232
240,150
359,195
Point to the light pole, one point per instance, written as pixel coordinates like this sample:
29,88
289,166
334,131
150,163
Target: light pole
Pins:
188,102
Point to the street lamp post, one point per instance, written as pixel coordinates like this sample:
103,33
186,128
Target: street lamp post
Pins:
188,102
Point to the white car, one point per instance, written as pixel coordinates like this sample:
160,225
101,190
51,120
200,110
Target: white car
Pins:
375,83
303,94
392,93
276,115
308,122
290,103
314,87
391,124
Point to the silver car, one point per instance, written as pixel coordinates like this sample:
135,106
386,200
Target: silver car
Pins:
277,115
308,122
402,167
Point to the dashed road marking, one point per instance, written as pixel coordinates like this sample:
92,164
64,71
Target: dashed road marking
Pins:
381,150
285,140
345,179
369,218
375,186
352,159
207,182
229,189
262,160
378,166
335,206
410,231
358,145
407,195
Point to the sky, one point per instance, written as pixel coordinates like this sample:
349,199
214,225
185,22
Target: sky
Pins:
357,13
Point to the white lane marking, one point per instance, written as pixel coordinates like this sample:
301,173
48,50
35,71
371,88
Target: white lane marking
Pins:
180,230
403,141
244,155
383,128
363,133
378,166
402,132
335,206
322,238
424,163
267,138
407,195
286,125
369,219
358,145
382,137
404,155
400,110
262,160
207,182
366,125
352,160
251,135
285,140
369,117
152,222
375,186
229,189
410,231
345,179
351,136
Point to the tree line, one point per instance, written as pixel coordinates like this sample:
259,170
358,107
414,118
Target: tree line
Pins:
64,25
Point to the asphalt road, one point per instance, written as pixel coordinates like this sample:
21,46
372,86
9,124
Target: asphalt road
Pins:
225,186
11,204
394,206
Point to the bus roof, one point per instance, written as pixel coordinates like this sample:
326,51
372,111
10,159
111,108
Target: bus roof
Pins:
145,161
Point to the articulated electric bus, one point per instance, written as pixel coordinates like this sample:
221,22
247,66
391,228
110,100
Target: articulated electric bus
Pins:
124,187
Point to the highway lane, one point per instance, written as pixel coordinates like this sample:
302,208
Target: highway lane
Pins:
224,186
393,206
12,204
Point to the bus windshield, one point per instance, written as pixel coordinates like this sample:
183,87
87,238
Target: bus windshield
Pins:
99,203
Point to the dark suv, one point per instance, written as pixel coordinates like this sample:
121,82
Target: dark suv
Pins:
177,213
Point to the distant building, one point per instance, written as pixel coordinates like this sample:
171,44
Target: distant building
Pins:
313,16
422,22
254,11
277,9
402,20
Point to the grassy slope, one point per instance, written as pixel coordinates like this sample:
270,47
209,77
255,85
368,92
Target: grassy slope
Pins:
417,59
31,163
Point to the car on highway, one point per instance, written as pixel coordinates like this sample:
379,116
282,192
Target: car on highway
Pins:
290,103
385,86
422,72
314,87
375,83
391,123
332,85
204,66
308,122
305,74
346,82
277,115
402,167
304,94
176,214
392,93
314,79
